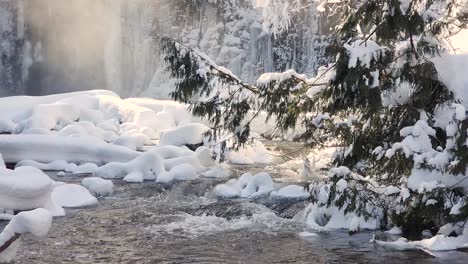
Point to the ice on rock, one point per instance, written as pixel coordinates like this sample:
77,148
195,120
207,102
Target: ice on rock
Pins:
73,196
189,134
36,222
98,186
27,188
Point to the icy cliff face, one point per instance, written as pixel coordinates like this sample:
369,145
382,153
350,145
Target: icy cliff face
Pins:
51,46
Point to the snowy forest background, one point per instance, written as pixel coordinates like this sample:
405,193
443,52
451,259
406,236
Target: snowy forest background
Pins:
60,46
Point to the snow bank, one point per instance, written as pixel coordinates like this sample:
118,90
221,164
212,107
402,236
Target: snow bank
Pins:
98,186
83,122
47,149
36,222
73,196
60,165
27,188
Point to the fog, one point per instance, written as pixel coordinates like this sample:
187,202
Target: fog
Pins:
54,46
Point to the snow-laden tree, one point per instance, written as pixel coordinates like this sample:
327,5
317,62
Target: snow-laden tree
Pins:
403,135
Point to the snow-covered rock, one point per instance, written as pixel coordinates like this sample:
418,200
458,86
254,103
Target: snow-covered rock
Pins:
246,186
98,186
73,196
36,222
182,172
294,192
27,188
323,218
189,134
147,166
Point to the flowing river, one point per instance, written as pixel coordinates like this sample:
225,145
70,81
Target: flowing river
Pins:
152,223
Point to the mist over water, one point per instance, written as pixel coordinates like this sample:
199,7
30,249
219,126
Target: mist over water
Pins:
53,46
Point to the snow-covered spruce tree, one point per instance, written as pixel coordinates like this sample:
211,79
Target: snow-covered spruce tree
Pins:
403,134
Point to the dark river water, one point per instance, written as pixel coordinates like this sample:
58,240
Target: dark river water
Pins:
151,223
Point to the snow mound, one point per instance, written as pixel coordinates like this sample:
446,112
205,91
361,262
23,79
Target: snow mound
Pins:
331,218
182,172
147,166
189,134
26,188
73,196
60,165
47,149
247,186
91,127
98,186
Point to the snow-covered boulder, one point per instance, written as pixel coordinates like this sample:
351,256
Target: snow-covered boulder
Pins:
182,172
73,196
27,188
246,186
330,218
290,192
147,166
36,222
189,134
134,142
98,186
